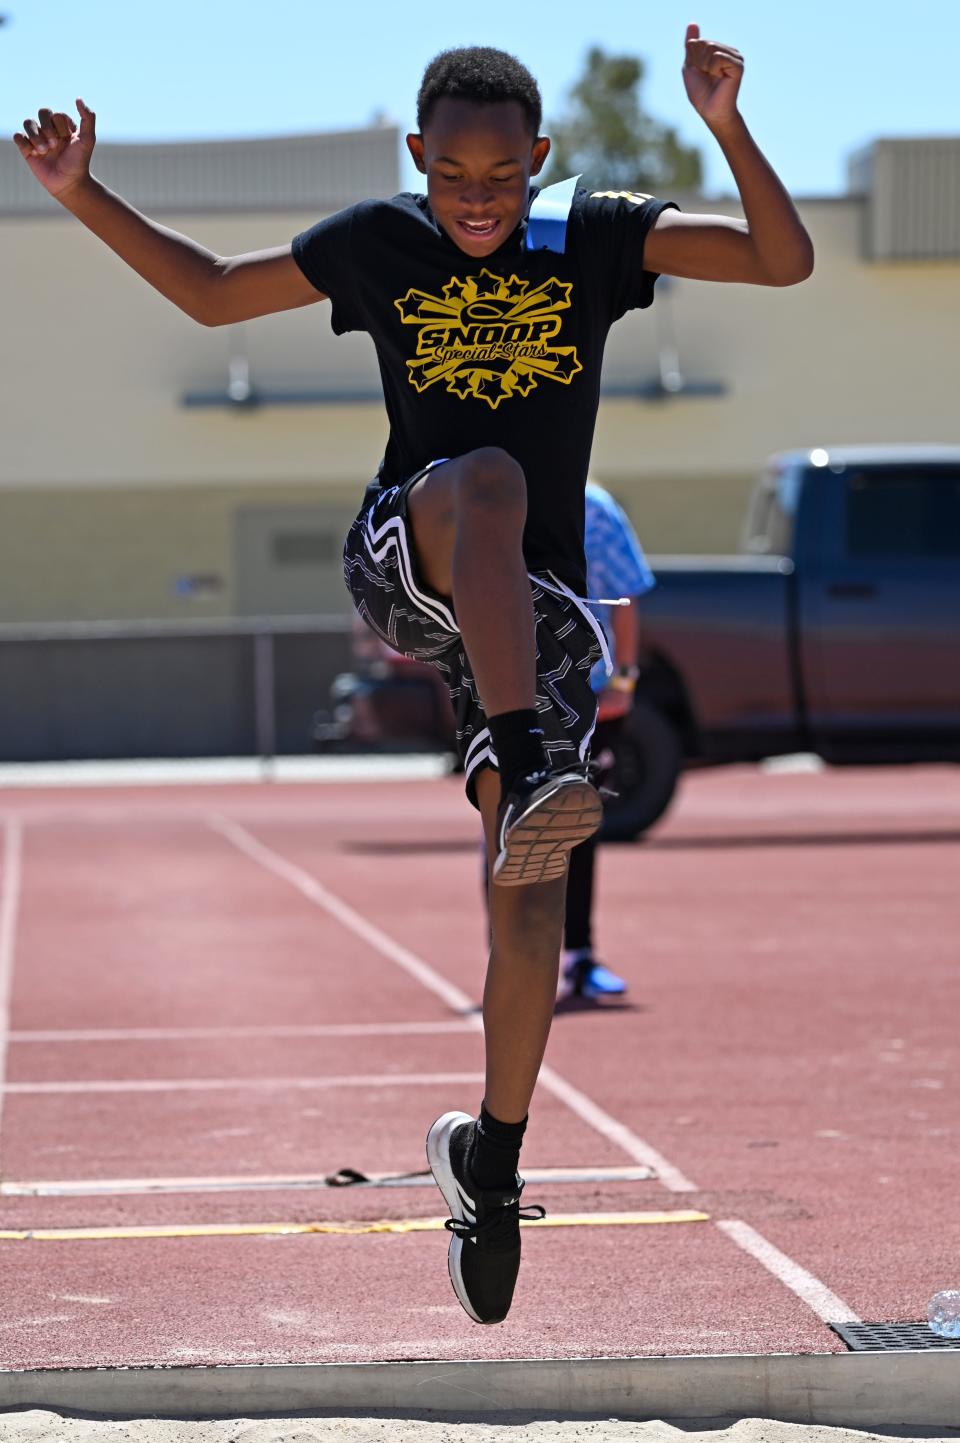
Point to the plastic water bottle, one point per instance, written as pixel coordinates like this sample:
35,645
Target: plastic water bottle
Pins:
944,1313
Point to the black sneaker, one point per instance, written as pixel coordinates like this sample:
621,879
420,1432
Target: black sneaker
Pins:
484,1254
539,822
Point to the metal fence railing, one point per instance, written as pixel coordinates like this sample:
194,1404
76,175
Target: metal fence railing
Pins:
98,689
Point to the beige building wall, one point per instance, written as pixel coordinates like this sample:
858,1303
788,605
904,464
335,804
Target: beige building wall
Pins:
110,487
118,554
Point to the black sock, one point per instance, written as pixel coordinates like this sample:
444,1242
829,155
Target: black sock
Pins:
495,1153
518,742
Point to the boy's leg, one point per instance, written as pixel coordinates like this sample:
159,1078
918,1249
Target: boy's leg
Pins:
475,1161
526,926
467,518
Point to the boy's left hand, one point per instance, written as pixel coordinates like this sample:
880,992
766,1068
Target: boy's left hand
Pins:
613,704
712,73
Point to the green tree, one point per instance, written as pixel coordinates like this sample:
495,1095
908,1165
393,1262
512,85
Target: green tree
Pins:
607,136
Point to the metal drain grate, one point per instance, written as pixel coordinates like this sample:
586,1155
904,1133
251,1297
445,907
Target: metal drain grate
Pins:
891,1337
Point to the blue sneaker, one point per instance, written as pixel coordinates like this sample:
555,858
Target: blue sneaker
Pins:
590,979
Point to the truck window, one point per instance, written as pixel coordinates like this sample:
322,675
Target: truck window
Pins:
903,511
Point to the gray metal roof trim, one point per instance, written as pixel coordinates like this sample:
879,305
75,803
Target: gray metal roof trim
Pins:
279,173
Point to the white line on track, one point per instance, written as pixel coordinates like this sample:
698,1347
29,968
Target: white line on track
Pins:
240,1084
814,1293
187,771
585,1108
245,842
671,1177
267,1182
809,1289
208,1034
9,908
797,763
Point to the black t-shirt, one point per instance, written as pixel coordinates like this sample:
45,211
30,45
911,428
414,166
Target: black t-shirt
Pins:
504,350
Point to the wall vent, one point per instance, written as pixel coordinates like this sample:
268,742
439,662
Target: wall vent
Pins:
912,193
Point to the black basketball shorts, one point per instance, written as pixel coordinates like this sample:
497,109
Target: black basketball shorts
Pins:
380,569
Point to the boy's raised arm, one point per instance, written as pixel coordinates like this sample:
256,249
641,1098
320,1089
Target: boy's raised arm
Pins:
214,290
769,248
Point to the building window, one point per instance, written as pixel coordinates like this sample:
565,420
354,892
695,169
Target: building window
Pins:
305,548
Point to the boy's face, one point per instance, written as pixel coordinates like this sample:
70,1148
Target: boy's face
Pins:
478,160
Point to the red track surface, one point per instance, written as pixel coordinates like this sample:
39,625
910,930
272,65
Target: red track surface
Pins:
789,1047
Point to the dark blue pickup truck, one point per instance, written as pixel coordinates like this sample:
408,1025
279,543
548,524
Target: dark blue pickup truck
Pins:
836,630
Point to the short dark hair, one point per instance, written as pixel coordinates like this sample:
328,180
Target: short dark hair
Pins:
483,75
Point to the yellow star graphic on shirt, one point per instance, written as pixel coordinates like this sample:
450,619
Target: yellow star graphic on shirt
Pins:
488,337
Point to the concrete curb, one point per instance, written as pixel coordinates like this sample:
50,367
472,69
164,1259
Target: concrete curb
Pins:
863,1390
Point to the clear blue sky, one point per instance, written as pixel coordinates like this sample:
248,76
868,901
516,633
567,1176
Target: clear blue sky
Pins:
821,80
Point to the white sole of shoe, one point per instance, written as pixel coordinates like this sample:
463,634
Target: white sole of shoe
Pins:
537,848
438,1157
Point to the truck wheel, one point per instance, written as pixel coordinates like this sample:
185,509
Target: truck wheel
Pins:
649,757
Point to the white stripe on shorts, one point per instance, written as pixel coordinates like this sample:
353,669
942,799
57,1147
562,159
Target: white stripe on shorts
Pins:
482,738
560,589
486,755
479,751
429,605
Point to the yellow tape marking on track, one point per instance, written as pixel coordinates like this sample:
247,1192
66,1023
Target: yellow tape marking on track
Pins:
407,1225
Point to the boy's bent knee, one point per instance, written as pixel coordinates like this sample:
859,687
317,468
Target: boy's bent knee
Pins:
489,478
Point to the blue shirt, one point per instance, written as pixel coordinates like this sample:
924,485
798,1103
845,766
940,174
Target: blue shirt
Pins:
616,565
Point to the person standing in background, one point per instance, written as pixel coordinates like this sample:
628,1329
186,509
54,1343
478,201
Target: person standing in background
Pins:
616,567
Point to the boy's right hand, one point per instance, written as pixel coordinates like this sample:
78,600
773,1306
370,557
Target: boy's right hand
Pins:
56,152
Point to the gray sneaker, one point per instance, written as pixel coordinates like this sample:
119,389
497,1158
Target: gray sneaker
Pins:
539,822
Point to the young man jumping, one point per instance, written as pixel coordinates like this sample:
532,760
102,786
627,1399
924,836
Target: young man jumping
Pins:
489,309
